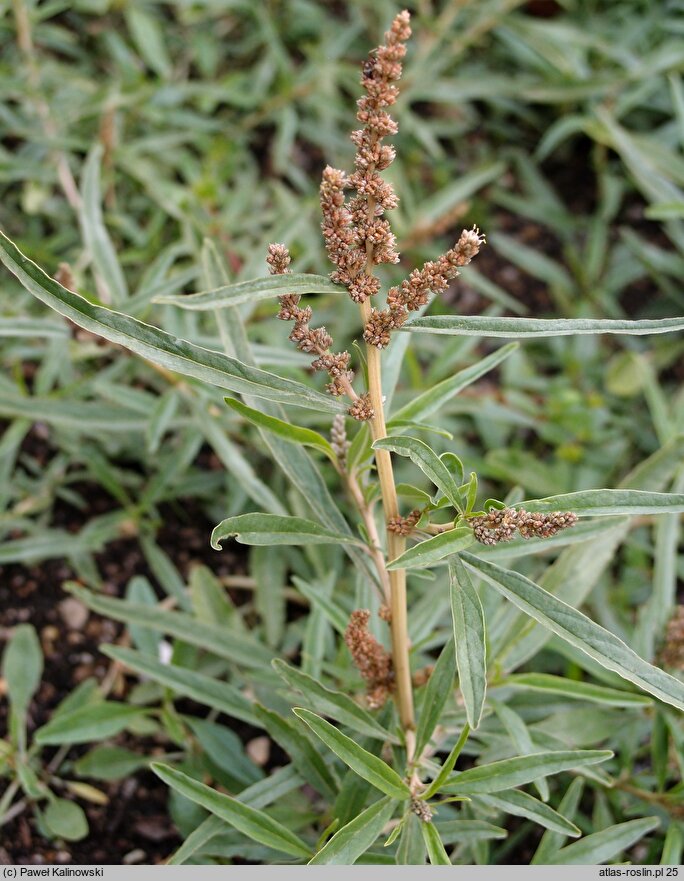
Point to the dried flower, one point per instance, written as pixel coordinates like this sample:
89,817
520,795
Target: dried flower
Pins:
338,439
373,662
404,525
500,525
362,409
421,809
672,654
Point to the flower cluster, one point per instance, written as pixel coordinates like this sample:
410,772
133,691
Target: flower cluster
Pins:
672,654
338,440
500,525
315,341
374,662
404,525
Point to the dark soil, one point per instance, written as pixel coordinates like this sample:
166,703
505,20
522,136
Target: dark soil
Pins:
134,825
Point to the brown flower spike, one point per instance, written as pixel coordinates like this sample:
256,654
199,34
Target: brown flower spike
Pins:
500,525
373,662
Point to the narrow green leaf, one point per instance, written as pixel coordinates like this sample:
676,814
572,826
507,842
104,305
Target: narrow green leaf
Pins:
551,841
252,291
363,763
22,667
89,723
292,433
672,847
595,502
253,823
427,460
204,689
109,763
333,703
522,740
439,688
520,770
604,845
458,831
157,345
435,849
304,757
580,631
234,646
573,688
430,551
272,529
521,804
436,397
354,839
486,326
470,640
449,764
95,235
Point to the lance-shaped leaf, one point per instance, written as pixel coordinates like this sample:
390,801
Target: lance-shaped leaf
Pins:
521,328
469,635
435,848
207,690
295,434
517,771
335,704
580,631
363,763
432,550
85,724
435,397
599,847
437,691
609,502
253,823
426,459
272,529
265,288
157,345
354,839
573,688
522,804
236,647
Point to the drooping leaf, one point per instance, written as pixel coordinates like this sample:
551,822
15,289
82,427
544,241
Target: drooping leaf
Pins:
157,345
253,823
609,502
599,847
363,763
580,631
272,529
521,328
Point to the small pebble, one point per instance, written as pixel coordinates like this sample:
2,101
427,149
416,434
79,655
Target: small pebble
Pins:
259,750
74,613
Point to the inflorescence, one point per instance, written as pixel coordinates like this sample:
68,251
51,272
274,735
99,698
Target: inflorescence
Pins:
372,660
500,525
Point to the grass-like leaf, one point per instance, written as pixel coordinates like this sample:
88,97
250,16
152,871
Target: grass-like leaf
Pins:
354,839
470,640
363,763
253,823
521,328
265,288
272,529
158,346
609,502
580,631
508,773
89,723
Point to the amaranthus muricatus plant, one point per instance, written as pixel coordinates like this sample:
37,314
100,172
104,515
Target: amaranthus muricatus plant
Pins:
399,755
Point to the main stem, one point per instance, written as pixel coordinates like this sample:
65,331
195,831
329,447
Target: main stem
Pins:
395,547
